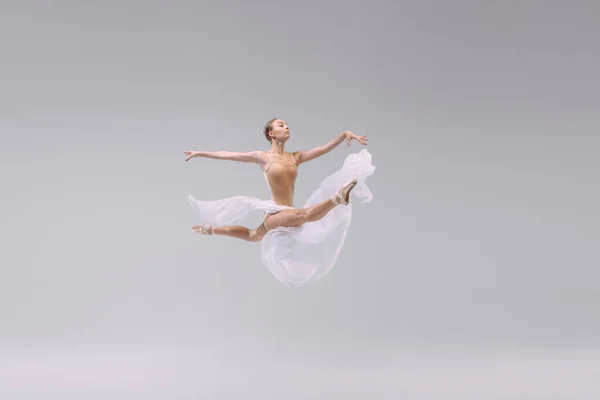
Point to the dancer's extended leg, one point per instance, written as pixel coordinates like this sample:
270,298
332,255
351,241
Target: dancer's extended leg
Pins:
239,232
319,210
287,218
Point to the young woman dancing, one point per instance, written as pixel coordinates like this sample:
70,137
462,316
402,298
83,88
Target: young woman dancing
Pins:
297,243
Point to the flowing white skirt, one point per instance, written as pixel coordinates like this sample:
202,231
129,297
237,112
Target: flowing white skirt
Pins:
298,255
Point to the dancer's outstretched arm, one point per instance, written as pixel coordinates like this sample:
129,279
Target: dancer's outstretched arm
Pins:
304,156
249,157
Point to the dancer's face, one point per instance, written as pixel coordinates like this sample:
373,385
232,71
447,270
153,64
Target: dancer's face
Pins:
280,131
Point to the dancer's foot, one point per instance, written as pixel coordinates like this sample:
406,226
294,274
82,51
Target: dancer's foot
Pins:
342,197
203,229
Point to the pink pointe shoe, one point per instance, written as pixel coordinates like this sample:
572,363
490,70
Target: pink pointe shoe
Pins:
203,229
342,197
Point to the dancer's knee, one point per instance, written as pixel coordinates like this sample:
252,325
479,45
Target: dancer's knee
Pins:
303,216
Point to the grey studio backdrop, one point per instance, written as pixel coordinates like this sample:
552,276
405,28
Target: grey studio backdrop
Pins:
473,273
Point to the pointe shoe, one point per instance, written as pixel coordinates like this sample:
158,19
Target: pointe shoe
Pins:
342,197
203,229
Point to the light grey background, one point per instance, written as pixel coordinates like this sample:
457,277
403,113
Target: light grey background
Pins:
473,274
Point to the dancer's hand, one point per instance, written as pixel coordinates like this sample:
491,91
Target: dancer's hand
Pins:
360,139
191,154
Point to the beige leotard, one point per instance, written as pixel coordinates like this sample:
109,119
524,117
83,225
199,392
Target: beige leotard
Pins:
280,174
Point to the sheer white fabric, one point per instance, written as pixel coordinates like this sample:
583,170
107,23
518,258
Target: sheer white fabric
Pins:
298,255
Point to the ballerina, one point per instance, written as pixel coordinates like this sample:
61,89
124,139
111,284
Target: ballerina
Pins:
290,236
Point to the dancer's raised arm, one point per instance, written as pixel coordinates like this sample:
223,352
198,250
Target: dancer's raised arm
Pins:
249,157
308,155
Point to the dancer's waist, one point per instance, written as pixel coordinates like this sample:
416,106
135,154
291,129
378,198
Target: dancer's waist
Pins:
280,201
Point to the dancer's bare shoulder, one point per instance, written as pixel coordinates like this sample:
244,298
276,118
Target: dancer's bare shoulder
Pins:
260,157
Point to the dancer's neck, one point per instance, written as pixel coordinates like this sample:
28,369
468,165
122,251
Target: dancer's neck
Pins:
277,148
